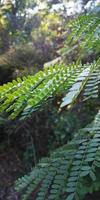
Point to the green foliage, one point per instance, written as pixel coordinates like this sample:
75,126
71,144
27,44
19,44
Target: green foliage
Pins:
63,127
49,26
92,86
85,34
90,74
62,175
24,96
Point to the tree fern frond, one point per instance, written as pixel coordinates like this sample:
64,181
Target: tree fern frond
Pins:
84,80
92,87
61,176
26,95
85,32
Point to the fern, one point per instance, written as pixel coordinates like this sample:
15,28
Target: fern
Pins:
83,79
26,95
85,33
61,176
92,86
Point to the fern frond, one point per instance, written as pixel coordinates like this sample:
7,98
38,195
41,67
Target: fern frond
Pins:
85,32
61,176
24,96
89,75
92,87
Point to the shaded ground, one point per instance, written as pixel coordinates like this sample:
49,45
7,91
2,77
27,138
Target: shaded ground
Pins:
10,169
